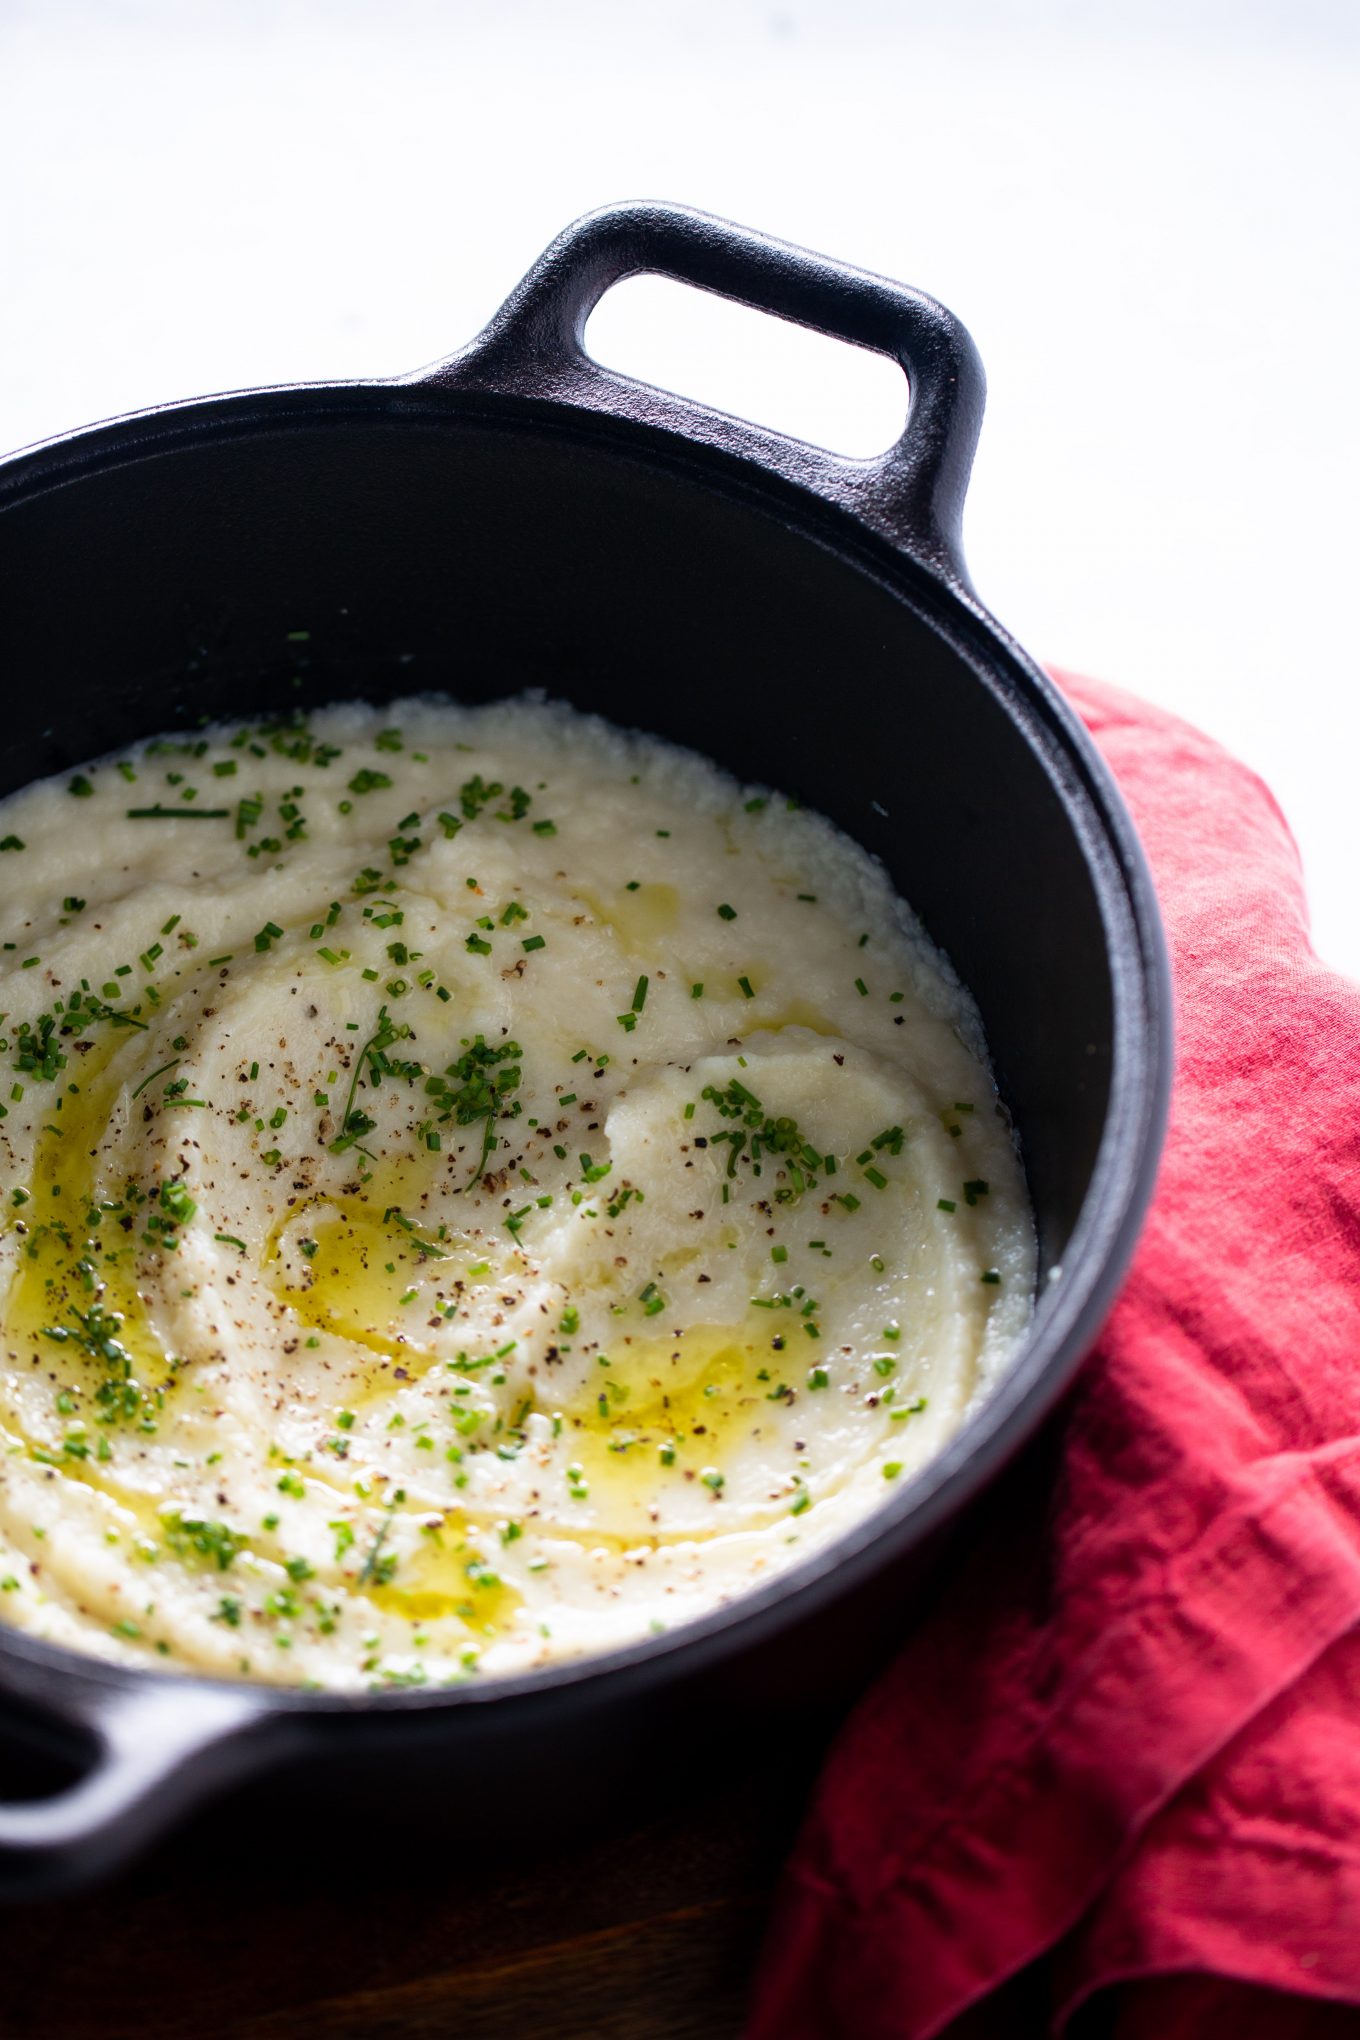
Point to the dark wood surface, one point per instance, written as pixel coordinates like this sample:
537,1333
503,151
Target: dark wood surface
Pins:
249,1927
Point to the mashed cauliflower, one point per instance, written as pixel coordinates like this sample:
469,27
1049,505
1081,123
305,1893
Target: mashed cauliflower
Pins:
477,1187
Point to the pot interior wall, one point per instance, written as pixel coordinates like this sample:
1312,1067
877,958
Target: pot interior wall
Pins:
426,553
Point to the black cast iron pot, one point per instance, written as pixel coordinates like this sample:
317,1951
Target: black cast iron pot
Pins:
518,516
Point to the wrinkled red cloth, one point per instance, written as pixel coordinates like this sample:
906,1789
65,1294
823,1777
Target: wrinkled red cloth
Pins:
1118,1758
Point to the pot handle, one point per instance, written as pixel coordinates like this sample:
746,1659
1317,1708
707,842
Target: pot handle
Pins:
150,1741
911,495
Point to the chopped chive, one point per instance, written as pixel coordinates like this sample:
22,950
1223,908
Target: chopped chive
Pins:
152,1078
178,814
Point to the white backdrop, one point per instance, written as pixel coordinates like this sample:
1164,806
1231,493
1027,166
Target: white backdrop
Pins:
1146,214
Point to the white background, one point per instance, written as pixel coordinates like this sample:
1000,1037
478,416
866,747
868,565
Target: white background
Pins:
1147,215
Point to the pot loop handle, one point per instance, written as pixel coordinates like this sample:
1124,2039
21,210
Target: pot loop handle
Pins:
155,1745
912,495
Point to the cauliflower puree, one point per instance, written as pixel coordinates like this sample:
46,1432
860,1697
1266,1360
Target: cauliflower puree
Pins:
476,1187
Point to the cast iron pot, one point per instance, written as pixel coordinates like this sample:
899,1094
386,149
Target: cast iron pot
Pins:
518,516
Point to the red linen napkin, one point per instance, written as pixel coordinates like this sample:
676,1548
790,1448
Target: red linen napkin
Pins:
1120,1751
